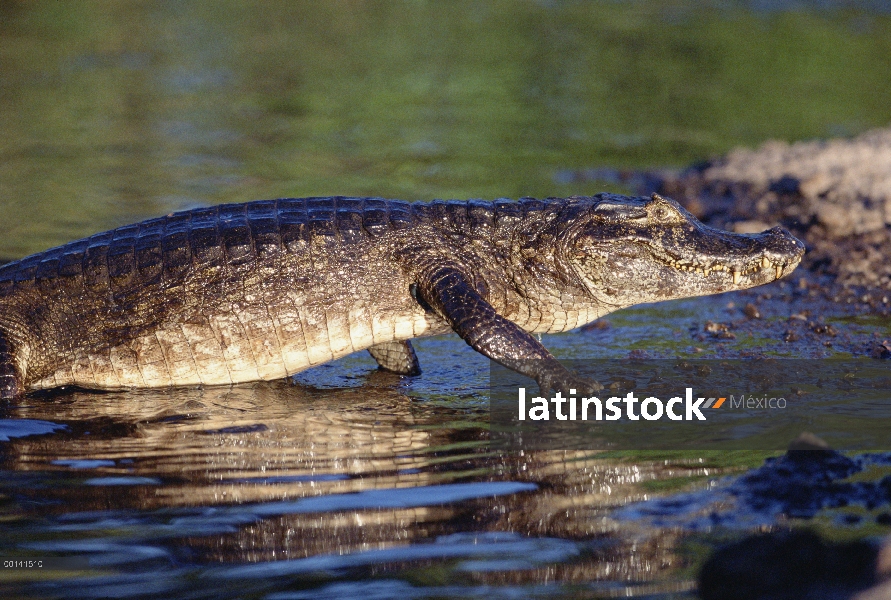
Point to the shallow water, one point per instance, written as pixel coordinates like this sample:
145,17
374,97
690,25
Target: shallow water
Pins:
352,478
354,481
349,481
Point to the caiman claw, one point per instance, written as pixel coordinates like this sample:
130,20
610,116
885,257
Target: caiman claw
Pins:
565,382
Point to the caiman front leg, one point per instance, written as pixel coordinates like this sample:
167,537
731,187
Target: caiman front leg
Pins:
10,381
449,293
397,357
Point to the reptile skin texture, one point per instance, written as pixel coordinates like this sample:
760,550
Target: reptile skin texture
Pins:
265,289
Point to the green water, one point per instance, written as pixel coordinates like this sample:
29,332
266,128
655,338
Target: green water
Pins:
113,111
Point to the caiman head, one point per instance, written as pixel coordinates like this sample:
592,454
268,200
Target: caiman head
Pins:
633,250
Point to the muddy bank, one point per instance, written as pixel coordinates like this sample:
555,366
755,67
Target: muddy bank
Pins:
834,194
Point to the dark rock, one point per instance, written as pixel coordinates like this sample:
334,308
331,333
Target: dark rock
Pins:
787,565
786,185
882,350
751,311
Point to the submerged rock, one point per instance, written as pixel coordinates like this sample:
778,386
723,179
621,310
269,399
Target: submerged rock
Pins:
788,565
808,479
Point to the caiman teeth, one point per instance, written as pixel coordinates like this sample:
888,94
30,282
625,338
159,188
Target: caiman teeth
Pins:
736,273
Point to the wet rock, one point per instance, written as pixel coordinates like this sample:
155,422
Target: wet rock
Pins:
751,311
719,331
882,350
810,479
623,383
788,565
805,480
808,442
823,328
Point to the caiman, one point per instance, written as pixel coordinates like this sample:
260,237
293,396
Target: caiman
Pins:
265,289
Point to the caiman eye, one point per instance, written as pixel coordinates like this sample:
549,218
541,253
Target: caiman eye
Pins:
661,213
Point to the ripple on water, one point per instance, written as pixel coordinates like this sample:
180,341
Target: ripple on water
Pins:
412,497
501,547
17,428
123,481
83,463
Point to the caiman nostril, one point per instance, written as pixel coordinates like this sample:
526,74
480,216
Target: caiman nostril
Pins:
780,240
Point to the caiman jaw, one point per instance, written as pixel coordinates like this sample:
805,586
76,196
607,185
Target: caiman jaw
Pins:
653,250
736,272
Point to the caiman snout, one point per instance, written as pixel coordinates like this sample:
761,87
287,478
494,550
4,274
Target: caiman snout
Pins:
782,249
784,241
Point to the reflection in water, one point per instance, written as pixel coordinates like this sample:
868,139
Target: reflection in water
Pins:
357,480
241,444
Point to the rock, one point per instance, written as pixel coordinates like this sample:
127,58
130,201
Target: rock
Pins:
751,311
851,174
788,565
837,221
816,185
882,350
751,226
807,441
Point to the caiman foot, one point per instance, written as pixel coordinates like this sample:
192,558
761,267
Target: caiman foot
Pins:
447,290
396,357
559,379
